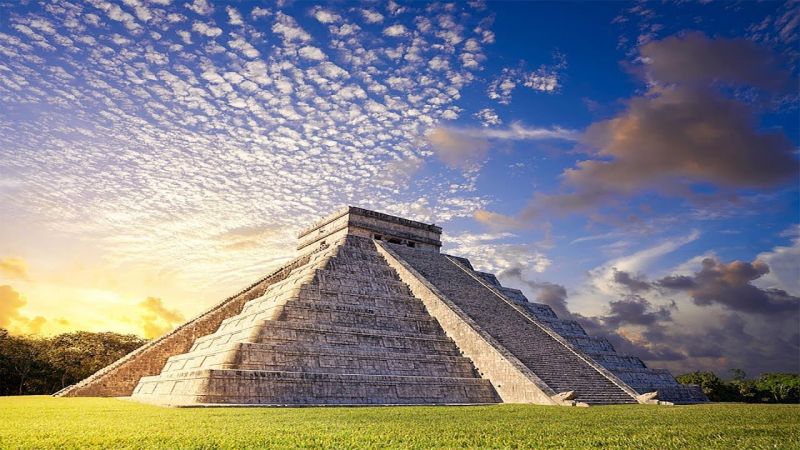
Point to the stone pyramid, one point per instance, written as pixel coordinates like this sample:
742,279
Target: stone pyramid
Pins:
370,312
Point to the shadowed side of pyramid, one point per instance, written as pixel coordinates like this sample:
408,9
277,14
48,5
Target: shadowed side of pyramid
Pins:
559,352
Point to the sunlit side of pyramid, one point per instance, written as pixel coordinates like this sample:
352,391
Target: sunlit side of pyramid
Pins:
370,312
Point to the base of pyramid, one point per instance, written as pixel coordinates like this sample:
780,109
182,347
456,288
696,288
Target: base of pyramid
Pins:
258,387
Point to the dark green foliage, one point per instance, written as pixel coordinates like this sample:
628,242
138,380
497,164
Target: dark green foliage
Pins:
768,388
43,365
782,387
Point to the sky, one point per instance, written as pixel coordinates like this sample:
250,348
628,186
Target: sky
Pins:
632,164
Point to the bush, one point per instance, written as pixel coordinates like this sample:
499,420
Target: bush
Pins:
768,388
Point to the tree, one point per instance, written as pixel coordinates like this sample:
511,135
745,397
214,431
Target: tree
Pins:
779,387
75,356
20,358
713,386
40,365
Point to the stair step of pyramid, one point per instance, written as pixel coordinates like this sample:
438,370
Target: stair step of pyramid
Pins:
302,357
374,271
297,388
304,311
397,302
279,331
313,360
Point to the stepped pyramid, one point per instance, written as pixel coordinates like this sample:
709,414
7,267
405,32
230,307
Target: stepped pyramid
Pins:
370,312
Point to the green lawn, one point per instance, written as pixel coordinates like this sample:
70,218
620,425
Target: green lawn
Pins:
45,422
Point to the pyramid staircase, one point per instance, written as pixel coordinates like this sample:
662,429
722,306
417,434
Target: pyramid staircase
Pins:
557,364
342,329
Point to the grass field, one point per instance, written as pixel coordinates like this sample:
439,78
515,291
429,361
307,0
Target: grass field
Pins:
45,422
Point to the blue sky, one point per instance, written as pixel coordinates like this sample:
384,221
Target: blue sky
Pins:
633,164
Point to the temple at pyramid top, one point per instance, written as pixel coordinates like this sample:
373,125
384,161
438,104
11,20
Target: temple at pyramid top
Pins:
371,312
372,225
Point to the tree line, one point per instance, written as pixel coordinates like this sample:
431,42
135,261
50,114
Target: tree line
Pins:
44,365
768,388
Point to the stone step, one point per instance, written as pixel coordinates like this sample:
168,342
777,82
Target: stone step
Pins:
220,386
376,271
328,359
276,332
679,394
589,344
305,312
514,295
540,310
614,361
644,376
355,255
354,316
280,330
397,302
324,277
360,287
393,309
301,357
565,327
342,283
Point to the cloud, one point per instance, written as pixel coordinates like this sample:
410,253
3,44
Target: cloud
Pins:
457,149
234,16
730,285
202,7
395,30
551,294
372,16
683,132
206,30
157,319
465,147
311,52
633,283
488,117
325,16
250,128
287,27
14,268
634,310
255,236
497,252
11,318
10,303
544,79
783,264
519,132
499,221
694,59
704,315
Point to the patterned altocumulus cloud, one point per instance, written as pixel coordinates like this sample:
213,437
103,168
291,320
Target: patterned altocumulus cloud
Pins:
157,127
